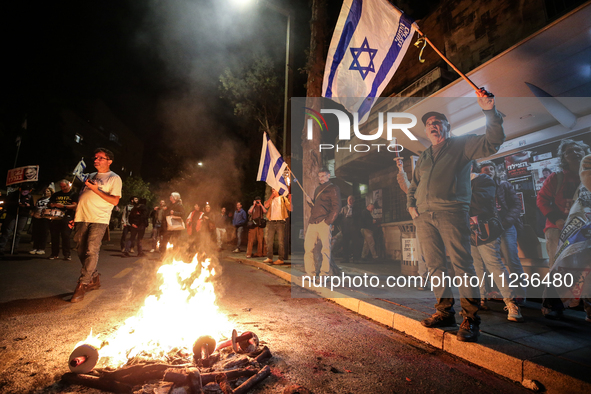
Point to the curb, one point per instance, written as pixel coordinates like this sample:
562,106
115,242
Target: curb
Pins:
511,360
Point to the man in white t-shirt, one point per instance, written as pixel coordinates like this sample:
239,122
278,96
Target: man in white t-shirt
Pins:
96,201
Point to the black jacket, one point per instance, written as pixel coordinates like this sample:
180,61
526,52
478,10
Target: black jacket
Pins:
482,203
509,204
139,215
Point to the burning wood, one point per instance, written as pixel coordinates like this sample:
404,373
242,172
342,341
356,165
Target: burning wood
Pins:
144,356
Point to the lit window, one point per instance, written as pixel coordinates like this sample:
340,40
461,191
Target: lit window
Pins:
78,138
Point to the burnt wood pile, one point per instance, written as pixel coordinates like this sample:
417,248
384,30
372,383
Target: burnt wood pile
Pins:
234,366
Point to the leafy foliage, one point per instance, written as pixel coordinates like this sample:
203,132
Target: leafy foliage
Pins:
256,92
135,186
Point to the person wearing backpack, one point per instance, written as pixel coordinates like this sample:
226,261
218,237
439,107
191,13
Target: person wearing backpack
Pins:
486,230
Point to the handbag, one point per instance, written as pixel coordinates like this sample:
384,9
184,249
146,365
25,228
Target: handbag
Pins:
485,231
175,223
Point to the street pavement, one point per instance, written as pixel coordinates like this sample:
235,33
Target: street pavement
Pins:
555,354
316,343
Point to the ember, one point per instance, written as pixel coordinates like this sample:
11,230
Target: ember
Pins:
147,348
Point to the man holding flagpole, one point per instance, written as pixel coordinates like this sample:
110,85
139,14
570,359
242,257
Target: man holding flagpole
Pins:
325,209
438,201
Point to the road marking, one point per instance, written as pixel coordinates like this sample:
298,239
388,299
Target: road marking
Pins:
77,307
123,273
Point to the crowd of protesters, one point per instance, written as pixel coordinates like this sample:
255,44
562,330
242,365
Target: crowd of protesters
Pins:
461,210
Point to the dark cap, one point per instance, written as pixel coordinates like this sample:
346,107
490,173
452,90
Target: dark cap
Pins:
433,113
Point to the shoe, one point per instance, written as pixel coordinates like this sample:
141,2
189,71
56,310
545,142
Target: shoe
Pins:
514,313
40,252
34,251
248,256
483,305
438,320
151,250
268,261
425,287
237,250
79,292
141,254
469,331
122,250
552,314
52,257
278,262
68,258
94,284
495,296
125,254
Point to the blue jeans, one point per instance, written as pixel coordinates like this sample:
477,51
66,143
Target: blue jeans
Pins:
89,237
441,231
510,252
239,231
487,257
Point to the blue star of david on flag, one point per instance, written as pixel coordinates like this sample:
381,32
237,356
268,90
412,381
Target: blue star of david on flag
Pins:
356,52
360,22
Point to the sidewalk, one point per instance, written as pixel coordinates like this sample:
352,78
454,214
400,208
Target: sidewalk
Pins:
555,354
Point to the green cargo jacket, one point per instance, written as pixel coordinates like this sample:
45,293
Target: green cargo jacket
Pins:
443,184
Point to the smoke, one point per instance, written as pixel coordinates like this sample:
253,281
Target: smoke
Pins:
194,41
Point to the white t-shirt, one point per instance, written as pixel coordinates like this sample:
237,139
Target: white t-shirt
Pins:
91,207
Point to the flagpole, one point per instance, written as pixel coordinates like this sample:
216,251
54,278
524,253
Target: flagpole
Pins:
472,84
298,182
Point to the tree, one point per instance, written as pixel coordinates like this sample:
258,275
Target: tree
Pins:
135,186
255,92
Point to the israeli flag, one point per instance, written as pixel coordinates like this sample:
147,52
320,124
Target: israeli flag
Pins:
368,44
79,171
272,167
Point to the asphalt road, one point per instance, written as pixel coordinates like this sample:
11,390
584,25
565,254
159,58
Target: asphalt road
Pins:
315,343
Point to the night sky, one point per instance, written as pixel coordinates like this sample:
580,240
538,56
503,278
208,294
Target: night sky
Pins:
155,63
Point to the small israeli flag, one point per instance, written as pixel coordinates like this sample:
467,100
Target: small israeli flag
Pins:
79,171
272,167
368,44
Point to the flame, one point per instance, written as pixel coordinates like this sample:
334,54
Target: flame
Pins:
90,340
183,310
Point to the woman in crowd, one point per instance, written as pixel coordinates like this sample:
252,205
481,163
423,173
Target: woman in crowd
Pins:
555,200
40,224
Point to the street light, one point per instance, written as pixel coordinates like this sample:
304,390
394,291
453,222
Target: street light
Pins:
288,70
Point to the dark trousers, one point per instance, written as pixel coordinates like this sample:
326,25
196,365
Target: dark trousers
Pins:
89,237
136,232
442,231
126,230
60,228
40,230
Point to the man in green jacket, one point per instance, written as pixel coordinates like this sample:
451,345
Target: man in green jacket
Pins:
439,201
